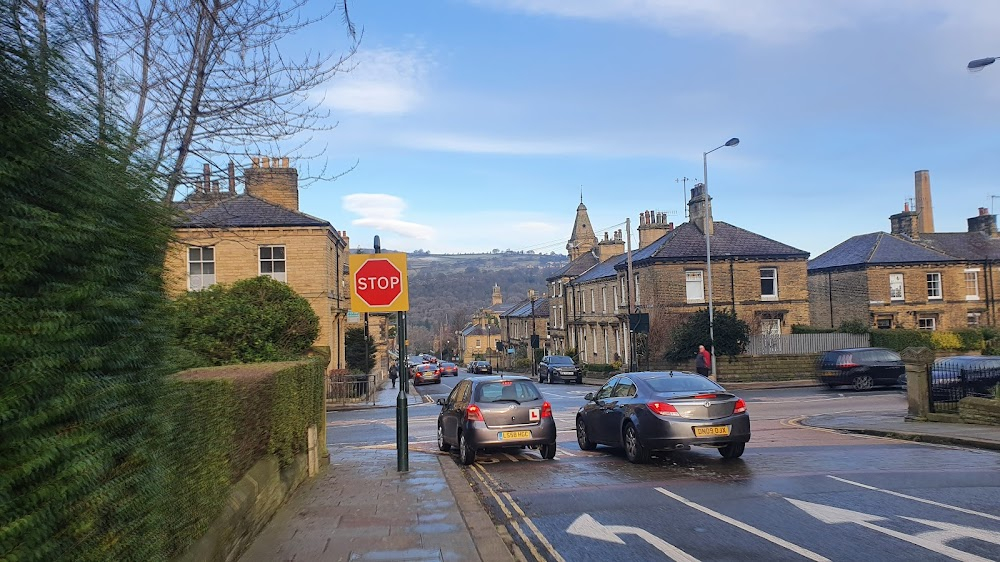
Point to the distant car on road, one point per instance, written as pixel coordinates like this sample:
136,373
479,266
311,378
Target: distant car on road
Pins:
863,368
426,373
663,411
559,368
495,412
448,368
480,367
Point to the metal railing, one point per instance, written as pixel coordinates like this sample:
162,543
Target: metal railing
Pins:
950,381
352,389
801,344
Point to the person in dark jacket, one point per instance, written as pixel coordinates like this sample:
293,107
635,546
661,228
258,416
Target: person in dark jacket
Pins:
393,374
703,361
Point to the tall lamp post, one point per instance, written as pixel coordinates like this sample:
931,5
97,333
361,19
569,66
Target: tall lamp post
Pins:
979,64
708,246
531,343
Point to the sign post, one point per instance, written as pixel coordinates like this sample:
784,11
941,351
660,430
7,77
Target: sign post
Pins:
378,284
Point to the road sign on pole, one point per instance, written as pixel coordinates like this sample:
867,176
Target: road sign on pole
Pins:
378,283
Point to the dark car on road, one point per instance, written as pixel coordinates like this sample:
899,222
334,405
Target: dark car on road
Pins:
448,369
426,373
481,367
559,368
495,412
663,411
863,368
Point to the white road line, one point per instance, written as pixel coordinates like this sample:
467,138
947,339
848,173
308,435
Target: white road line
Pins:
916,499
545,542
510,516
804,552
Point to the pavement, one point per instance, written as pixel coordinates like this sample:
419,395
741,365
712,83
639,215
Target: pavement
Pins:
361,509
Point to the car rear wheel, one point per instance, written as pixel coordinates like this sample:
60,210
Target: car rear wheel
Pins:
548,451
863,382
582,438
732,450
442,446
466,450
634,451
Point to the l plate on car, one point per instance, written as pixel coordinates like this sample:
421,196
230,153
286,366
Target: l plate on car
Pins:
711,430
514,435
534,414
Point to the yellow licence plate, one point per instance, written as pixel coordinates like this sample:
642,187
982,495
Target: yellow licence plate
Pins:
711,430
515,435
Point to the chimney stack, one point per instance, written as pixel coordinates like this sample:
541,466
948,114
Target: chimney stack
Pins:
905,223
985,223
277,185
610,246
925,210
698,207
232,178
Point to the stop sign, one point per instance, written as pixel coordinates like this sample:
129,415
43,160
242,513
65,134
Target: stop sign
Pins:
378,282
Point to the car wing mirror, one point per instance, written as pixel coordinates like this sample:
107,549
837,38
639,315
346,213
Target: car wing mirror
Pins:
589,396
442,402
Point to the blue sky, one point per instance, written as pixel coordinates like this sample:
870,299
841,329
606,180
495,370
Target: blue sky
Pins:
475,124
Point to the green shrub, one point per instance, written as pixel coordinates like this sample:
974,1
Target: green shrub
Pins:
853,327
359,350
971,338
598,368
990,333
992,347
900,339
945,341
254,320
731,335
804,329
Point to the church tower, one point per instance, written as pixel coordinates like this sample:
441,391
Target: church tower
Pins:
497,297
583,238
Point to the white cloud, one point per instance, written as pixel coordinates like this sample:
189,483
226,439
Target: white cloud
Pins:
380,211
384,82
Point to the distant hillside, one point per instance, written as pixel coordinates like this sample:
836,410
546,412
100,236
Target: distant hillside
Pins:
445,289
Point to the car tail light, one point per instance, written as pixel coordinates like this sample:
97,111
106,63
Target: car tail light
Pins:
663,409
846,362
473,413
546,410
740,407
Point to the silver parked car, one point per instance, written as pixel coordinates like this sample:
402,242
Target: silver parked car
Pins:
663,411
495,412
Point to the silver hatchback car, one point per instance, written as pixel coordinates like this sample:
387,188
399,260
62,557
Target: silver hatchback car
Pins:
495,412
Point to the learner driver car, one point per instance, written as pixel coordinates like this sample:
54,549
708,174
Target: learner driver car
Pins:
495,412
426,373
663,411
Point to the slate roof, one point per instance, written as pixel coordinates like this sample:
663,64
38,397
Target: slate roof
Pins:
478,330
965,245
686,242
523,309
602,270
575,267
877,248
243,211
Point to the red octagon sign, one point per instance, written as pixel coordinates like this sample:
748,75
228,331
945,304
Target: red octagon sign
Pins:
378,282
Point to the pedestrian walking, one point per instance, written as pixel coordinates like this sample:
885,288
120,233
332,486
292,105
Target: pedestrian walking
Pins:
703,361
393,374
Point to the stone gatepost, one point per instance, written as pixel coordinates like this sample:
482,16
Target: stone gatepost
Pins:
917,360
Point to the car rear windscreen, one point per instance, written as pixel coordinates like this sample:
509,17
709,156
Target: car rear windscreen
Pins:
522,391
667,383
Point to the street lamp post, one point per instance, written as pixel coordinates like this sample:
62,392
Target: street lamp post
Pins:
708,246
531,349
979,64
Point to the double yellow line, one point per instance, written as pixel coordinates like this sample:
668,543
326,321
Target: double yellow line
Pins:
504,500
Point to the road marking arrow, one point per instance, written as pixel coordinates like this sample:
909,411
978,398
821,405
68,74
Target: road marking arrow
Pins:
587,526
932,540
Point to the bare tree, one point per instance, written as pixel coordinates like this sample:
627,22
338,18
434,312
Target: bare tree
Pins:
210,80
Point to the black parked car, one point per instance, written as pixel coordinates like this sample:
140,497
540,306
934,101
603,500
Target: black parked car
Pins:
482,367
862,368
495,412
559,368
663,411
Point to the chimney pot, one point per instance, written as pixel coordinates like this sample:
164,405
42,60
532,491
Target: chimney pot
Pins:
983,211
284,162
256,162
265,162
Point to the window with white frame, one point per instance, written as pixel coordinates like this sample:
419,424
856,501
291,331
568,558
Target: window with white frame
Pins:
971,284
694,282
201,267
637,289
604,299
972,319
479,342
614,296
272,262
927,322
562,317
593,301
896,287
593,338
768,283
933,285
624,281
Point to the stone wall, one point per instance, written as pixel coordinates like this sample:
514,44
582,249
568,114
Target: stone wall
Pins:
754,369
984,411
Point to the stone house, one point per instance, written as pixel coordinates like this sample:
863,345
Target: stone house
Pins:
910,277
524,319
225,236
479,338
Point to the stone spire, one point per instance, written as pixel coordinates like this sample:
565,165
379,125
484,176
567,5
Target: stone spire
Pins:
583,238
497,297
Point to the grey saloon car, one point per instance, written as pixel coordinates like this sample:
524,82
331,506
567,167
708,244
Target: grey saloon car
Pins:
663,411
495,412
